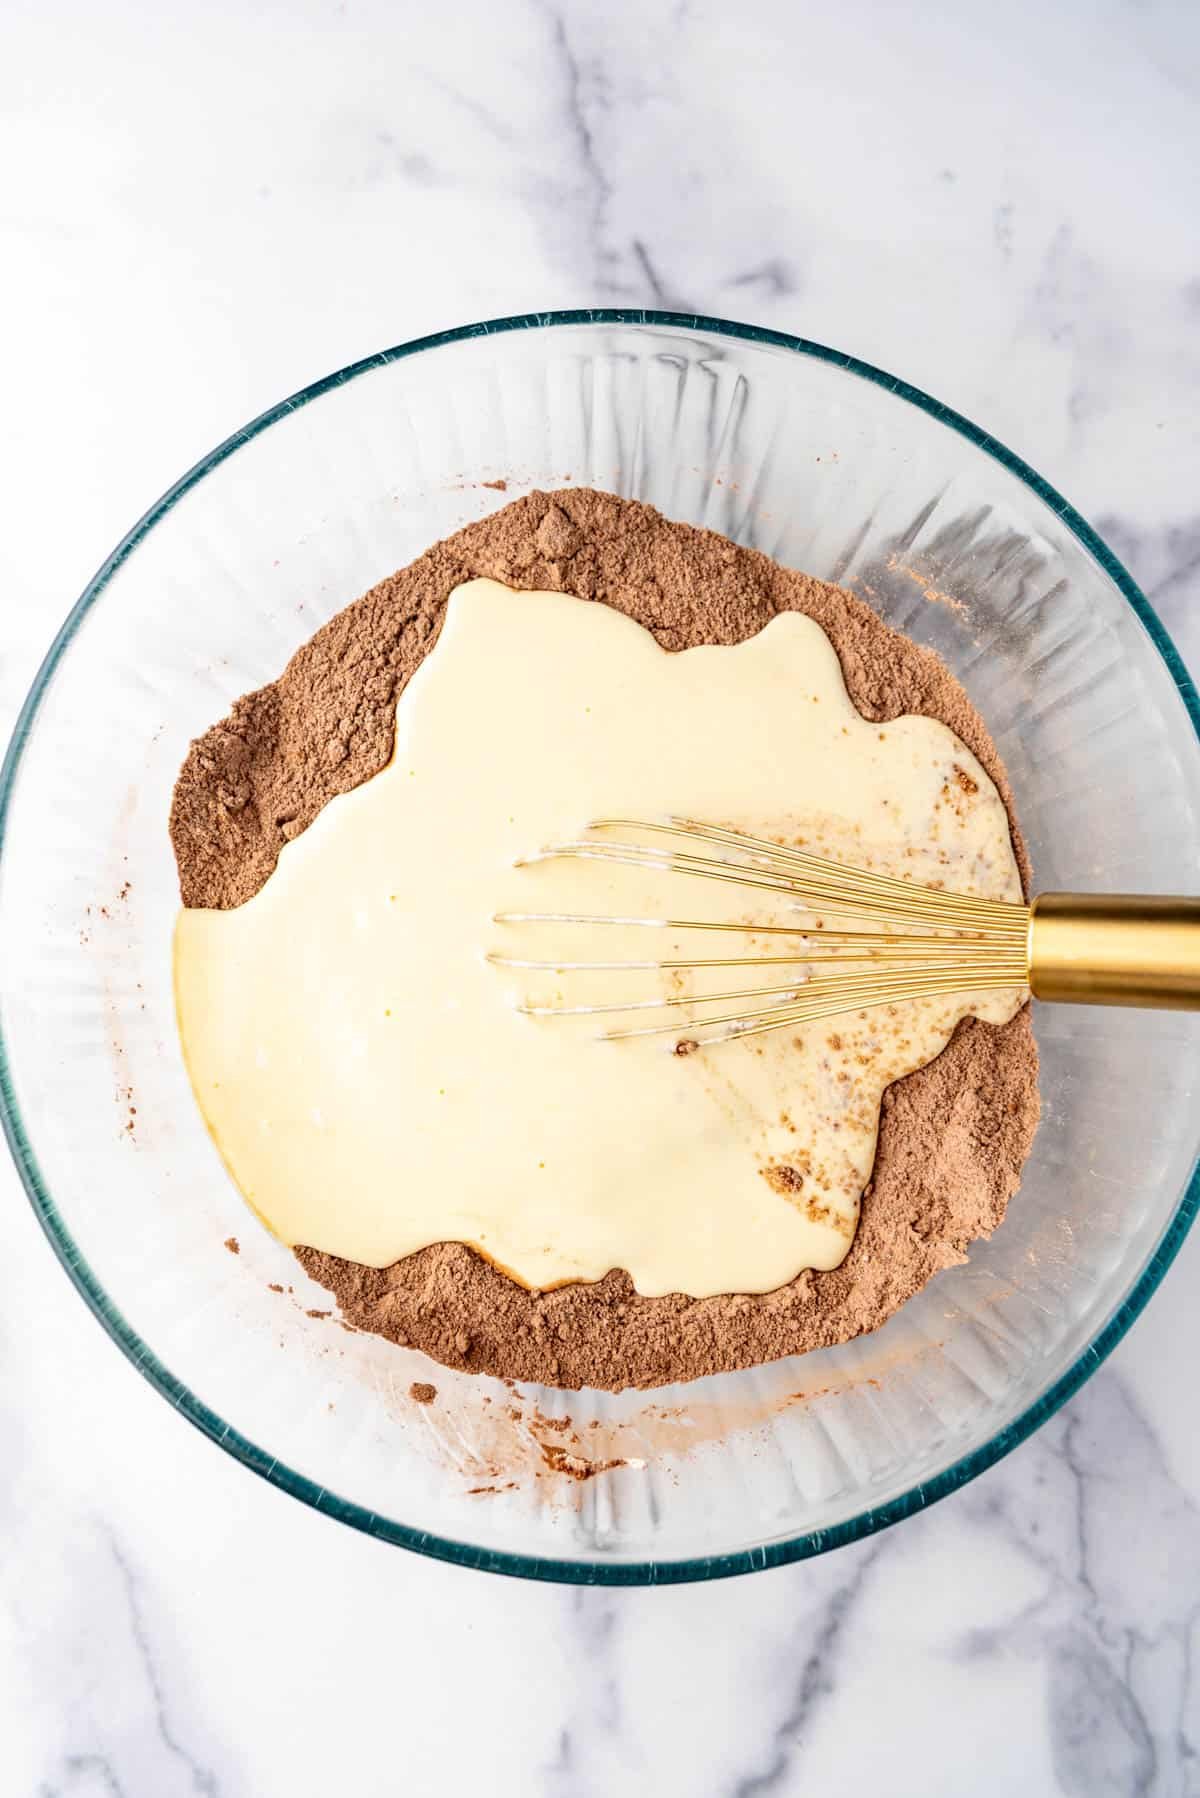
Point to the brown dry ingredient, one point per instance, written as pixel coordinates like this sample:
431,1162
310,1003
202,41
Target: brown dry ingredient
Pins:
953,1136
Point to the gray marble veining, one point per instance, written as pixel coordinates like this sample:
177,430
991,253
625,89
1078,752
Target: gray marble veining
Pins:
208,212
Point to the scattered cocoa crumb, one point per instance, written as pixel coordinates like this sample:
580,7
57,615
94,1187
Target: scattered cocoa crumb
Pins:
953,1136
560,1460
233,1245
687,1045
318,1314
496,486
930,593
273,1286
781,1178
422,1393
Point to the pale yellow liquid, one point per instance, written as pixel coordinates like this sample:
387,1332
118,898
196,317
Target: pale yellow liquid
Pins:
364,1070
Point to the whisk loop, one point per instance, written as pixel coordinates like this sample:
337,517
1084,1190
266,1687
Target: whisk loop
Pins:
914,942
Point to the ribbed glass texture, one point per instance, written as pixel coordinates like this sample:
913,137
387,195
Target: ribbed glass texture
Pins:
827,465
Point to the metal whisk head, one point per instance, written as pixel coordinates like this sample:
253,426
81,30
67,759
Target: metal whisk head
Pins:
901,941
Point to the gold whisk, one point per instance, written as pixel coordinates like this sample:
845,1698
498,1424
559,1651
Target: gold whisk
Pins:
908,941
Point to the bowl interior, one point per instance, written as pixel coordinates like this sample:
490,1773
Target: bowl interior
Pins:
824,468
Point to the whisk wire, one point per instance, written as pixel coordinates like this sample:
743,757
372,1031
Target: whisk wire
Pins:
820,868
926,942
822,886
918,982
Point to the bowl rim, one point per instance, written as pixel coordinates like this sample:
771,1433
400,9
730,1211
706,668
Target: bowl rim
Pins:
189,1405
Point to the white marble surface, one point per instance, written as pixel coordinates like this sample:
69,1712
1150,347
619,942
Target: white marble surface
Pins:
200,210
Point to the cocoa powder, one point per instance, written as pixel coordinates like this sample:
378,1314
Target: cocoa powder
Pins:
953,1136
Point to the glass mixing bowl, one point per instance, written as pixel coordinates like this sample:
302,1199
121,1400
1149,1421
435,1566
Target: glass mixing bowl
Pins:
828,466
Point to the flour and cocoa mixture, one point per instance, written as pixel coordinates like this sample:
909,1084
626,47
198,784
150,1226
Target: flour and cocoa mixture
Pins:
953,1136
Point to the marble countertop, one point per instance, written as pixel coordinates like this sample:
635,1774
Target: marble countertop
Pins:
996,203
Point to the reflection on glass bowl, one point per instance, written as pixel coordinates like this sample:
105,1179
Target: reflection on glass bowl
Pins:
828,466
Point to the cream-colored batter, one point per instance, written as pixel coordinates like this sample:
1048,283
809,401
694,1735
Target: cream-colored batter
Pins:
365,1071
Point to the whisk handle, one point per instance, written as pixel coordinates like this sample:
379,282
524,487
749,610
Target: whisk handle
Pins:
1115,949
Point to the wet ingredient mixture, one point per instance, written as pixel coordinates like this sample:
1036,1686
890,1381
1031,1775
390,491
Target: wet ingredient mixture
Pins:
369,1078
